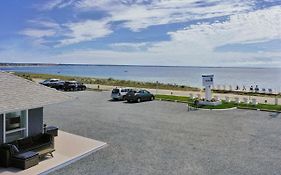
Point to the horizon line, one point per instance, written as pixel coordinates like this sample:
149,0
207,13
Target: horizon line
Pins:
133,65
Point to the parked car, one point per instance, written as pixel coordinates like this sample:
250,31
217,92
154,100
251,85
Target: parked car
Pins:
73,86
138,96
53,83
49,82
119,93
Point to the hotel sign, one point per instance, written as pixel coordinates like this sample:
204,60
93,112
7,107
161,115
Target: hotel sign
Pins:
208,80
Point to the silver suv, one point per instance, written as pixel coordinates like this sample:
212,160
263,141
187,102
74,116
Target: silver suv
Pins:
119,93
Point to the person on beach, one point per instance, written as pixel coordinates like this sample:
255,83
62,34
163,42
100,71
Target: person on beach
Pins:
257,88
251,88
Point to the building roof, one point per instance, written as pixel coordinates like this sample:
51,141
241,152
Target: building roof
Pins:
17,93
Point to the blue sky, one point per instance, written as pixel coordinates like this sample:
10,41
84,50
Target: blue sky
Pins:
142,32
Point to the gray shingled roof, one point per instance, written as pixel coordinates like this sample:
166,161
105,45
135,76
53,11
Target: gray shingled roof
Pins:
17,93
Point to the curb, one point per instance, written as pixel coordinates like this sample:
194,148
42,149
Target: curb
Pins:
256,109
227,109
176,101
203,109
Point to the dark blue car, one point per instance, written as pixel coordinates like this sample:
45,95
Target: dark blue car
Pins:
138,96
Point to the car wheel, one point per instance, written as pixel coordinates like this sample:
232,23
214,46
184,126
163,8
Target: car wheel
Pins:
124,97
151,98
138,100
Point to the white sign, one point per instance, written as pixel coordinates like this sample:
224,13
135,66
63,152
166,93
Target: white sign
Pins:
208,80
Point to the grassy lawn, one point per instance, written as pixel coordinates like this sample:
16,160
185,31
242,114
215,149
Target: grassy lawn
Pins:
224,105
261,107
174,98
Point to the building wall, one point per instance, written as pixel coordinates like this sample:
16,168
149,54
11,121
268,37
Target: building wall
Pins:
35,121
1,128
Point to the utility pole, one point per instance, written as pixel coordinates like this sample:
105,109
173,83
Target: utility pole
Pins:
157,87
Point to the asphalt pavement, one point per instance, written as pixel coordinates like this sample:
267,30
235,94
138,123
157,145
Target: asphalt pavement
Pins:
162,138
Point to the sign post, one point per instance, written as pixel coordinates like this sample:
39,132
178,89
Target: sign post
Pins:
208,82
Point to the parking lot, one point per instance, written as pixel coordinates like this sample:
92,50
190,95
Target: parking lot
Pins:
164,138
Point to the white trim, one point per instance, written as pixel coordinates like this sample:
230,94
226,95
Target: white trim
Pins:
23,109
25,129
15,130
26,123
4,128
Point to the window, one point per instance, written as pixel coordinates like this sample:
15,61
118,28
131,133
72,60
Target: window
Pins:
15,125
115,91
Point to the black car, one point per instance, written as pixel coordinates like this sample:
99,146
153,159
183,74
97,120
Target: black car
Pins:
138,96
53,83
73,86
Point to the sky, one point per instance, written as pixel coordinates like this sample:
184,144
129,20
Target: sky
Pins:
142,32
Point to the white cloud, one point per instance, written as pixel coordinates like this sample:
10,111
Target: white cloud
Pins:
72,33
252,27
52,4
138,15
38,33
131,46
85,31
43,23
196,44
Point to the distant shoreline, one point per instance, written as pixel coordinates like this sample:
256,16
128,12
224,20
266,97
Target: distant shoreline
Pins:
57,64
26,64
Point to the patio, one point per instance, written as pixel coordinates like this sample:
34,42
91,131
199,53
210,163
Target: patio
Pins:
67,151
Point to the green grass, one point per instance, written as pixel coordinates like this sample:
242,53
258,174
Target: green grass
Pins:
174,98
224,105
110,82
269,107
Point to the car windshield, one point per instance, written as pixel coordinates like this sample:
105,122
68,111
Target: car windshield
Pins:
114,91
69,83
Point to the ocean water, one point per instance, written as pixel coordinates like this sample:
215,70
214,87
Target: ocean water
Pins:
191,76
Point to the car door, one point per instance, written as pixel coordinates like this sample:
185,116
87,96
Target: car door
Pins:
141,95
146,95
52,83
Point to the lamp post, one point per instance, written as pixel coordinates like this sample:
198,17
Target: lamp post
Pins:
157,87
